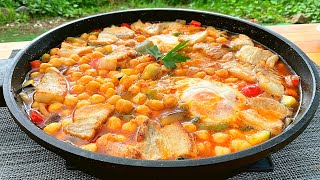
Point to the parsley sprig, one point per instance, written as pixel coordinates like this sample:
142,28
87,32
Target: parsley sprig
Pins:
172,57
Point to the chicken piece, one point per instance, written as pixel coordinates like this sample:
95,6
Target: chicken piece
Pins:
194,38
52,88
119,32
269,81
67,49
242,40
259,122
269,107
120,53
257,56
241,70
87,119
147,28
122,150
214,52
173,27
169,142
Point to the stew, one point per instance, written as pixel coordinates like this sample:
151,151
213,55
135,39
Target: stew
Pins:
159,91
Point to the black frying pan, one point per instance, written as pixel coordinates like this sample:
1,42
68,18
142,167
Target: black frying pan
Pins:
107,165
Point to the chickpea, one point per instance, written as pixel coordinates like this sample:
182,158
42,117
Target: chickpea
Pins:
92,37
124,106
82,103
110,92
114,123
140,98
66,112
200,75
103,72
85,80
97,98
203,135
221,40
52,128
75,76
84,67
91,72
35,75
140,38
113,99
56,62
75,57
104,87
190,127
65,122
133,63
140,119
134,89
78,89
142,109
210,71
129,126
219,150
55,107
170,101
100,80
54,51
70,101
155,105
84,60
128,72
90,147
239,144
43,67
97,54
223,73
83,96
92,86
84,36
69,62
220,137
126,81
108,48
180,72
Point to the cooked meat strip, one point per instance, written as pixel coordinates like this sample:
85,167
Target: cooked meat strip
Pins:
67,49
241,70
168,142
194,38
87,119
122,150
242,40
259,122
269,107
52,88
269,81
119,32
214,52
147,28
256,56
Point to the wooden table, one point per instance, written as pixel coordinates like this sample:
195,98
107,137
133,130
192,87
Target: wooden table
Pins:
305,36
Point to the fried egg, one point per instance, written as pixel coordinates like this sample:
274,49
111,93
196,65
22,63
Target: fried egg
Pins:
210,100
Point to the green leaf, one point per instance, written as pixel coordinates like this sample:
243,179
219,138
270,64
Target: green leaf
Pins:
154,51
172,57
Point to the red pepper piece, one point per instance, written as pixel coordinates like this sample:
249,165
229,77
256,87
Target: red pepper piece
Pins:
295,80
252,20
126,25
251,90
195,23
35,116
35,64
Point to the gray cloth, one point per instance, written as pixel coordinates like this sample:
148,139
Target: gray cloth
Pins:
22,158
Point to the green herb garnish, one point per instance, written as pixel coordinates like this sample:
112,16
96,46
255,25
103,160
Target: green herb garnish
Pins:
172,57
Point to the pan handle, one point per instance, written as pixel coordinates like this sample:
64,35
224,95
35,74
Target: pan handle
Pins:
5,65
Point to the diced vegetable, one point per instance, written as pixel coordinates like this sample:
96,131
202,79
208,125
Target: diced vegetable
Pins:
288,101
35,116
126,25
28,83
292,80
213,126
45,58
251,90
171,117
25,98
258,137
142,48
35,64
195,23
151,71
52,128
